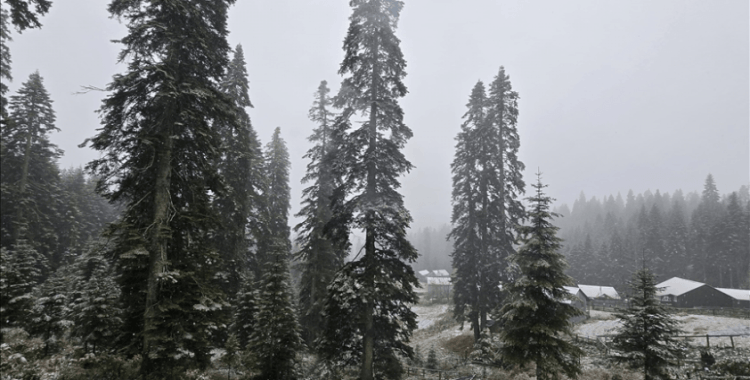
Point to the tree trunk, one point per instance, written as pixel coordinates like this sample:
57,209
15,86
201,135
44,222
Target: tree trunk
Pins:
370,198
20,224
158,239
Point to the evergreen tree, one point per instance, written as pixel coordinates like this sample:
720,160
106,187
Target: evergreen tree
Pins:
377,288
97,314
321,253
241,165
432,361
21,273
23,16
5,61
244,317
159,147
275,206
276,338
30,176
703,226
536,316
646,334
734,249
475,289
51,311
503,116
676,239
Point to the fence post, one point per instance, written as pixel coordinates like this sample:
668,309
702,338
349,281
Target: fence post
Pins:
708,344
731,339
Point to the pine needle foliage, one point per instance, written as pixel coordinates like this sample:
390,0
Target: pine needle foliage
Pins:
30,178
536,318
321,252
646,336
276,339
159,148
368,316
241,167
21,273
487,182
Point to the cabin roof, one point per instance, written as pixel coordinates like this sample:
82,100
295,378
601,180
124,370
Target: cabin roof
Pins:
598,291
738,294
676,286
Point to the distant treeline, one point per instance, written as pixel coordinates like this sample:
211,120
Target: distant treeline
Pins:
702,236
699,236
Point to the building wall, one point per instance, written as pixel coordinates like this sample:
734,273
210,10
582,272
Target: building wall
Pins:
704,296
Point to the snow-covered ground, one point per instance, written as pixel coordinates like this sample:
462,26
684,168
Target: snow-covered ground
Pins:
603,324
427,315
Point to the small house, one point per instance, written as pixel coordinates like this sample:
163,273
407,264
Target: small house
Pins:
679,292
438,287
578,300
601,295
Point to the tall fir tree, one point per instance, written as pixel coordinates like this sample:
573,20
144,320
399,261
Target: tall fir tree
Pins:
241,166
703,225
22,267
275,337
377,288
536,318
30,177
97,314
5,61
734,249
321,251
159,146
275,202
474,292
646,335
503,116
50,315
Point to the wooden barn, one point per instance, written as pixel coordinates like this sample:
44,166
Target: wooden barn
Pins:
679,292
740,297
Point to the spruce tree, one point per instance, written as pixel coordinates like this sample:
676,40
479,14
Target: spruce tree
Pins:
97,313
321,251
646,335
275,202
276,339
30,176
536,317
503,116
5,61
159,146
244,315
241,166
369,320
94,299
21,273
50,315
468,253
487,182
432,360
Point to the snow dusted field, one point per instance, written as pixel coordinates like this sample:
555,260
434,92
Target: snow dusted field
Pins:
427,315
603,323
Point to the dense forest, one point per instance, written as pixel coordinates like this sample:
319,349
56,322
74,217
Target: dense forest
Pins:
702,236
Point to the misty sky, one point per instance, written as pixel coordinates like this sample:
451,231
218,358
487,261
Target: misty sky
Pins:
614,95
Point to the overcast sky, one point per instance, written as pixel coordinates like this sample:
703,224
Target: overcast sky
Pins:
614,95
